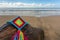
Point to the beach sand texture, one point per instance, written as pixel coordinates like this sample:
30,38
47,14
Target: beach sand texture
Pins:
50,25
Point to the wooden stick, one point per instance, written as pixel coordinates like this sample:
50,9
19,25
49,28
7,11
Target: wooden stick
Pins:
2,27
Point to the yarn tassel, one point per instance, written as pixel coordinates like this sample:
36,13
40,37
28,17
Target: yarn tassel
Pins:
18,36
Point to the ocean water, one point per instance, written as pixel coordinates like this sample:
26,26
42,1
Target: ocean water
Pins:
37,13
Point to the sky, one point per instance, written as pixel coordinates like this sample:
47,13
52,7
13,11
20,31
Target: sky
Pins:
30,3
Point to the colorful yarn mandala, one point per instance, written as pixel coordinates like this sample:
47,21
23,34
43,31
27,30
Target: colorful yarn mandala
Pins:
19,24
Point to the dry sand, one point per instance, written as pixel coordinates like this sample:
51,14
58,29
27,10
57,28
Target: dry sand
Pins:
50,25
31,20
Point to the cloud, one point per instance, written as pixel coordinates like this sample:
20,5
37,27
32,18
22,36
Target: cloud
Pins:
19,4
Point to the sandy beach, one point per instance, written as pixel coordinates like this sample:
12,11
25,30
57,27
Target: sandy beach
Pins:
50,24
